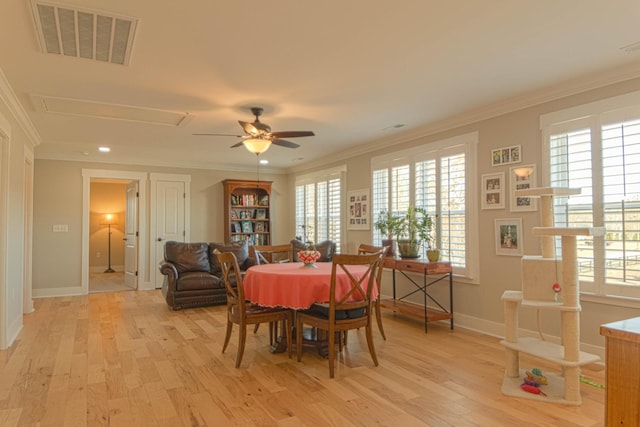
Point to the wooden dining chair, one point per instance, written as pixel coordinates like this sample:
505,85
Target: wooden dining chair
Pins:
369,249
242,313
340,314
267,254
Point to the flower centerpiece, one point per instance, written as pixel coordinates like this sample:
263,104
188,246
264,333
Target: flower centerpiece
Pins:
309,256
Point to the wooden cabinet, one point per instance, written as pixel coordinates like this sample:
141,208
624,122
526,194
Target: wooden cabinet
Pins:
623,372
247,211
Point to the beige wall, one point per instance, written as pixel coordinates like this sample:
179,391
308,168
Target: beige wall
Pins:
479,306
58,200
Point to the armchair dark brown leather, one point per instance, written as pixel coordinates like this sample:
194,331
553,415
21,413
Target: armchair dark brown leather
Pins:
327,249
193,276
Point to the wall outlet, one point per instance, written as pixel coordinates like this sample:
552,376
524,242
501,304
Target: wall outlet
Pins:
60,228
98,254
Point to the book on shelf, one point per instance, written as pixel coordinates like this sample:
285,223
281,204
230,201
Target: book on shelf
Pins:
261,214
264,200
235,227
247,227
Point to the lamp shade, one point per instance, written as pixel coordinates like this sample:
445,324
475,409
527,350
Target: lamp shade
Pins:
257,145
523,172
109,219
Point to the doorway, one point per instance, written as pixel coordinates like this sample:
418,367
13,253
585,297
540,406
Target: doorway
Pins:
108,222
104,247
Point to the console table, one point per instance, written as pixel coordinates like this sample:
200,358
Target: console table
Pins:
432,273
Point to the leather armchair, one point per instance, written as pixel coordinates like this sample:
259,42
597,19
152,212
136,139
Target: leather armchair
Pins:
327,249
193,276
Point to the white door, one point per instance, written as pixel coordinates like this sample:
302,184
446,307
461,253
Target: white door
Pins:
170,217
131,237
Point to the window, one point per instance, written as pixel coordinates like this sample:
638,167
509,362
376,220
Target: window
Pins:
599,153
438,178
318,206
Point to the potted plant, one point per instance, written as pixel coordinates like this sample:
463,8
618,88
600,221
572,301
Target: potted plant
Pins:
388,225
415,229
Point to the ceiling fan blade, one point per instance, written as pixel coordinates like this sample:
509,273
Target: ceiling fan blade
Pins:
216,134
238,144
292,134
284,143
249,128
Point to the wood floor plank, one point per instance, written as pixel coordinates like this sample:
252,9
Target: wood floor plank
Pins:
126,359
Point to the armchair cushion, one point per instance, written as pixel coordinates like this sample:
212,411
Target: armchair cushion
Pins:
327,249
239,249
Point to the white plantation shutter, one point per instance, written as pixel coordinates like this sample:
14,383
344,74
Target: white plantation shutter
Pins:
379,198
433,177
599,152
318,206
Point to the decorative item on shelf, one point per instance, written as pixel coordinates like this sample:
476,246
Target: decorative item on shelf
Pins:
389,226
309,257
415,228
433,253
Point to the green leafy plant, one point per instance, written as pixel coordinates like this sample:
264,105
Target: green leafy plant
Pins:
388,224
416,228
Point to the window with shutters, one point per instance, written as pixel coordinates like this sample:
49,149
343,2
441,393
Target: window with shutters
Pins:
438,178
318,206
598,151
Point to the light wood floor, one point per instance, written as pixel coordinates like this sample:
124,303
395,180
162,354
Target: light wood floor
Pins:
107,282
125,359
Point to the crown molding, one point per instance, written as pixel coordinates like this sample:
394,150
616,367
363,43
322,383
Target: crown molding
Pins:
10,99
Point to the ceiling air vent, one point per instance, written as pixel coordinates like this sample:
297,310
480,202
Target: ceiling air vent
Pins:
70,31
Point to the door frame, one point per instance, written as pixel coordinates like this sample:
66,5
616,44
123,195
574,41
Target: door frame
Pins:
141,177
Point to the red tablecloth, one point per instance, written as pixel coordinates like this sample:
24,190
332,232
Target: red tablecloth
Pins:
294,286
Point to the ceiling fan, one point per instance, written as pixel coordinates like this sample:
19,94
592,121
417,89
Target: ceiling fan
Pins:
259,137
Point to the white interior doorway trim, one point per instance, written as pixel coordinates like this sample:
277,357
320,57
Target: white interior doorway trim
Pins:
141,177
27,286
5,134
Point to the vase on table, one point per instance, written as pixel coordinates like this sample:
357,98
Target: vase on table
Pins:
309,257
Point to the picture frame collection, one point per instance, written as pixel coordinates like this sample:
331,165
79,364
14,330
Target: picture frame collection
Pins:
508,233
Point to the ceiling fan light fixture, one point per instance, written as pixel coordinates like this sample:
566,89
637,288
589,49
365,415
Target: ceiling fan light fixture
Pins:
257,145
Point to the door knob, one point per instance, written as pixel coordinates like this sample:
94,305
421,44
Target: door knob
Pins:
159,239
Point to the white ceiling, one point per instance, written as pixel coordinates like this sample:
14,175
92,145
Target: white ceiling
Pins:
349,70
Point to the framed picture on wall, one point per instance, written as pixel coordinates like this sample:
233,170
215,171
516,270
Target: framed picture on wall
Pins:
493,190
506,155
358,210
508,234
521,178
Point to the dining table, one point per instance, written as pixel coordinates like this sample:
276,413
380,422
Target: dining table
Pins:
297,286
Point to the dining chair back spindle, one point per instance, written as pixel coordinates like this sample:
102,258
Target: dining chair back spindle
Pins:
267,254
242,313
370,249
352,310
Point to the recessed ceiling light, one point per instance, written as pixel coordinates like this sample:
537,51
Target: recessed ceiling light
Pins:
104,149
264,161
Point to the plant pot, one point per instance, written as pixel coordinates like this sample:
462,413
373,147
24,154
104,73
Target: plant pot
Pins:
391,243
433,255
409,248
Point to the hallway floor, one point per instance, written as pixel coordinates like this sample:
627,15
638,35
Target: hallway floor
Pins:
107,282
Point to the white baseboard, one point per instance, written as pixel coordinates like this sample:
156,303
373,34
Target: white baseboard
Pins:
497,329
59,292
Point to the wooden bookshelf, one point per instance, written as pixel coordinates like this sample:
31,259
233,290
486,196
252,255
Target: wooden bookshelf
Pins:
247,211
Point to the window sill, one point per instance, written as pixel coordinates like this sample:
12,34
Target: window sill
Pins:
611,300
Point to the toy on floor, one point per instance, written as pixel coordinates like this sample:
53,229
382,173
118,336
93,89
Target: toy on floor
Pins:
536,375
532,389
